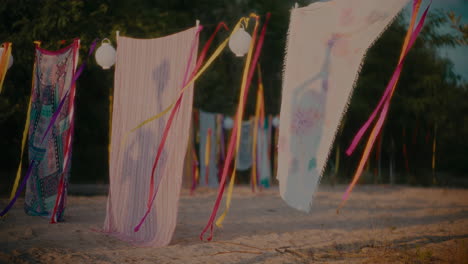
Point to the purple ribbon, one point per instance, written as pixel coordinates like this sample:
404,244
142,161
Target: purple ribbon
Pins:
20,189
62,102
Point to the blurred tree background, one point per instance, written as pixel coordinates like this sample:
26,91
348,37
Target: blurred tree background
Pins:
430,100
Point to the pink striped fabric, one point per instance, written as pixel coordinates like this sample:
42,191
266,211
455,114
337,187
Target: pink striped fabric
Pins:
148,77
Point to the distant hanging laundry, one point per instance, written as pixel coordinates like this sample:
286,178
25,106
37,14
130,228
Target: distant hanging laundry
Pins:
263,155
208,176
244,155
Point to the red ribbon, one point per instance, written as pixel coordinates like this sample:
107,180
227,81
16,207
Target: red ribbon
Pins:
233,137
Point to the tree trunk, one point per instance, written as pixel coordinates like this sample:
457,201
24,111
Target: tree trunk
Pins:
405,153
380,157
392,152
434,155
337,165
378,152
188,162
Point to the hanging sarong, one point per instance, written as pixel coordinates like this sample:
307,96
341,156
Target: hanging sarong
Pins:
326,45
244,155
208,121
263,156
53,78
148,77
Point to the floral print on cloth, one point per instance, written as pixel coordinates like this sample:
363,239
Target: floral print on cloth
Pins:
326,45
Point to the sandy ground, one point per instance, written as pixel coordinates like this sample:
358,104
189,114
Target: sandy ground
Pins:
379,224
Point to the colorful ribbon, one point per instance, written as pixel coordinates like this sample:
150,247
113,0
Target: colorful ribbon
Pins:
258,122
60,200
25,134
241,108
168,125
246,79
207,155
195,171
261,117
23,141
411,35
60,195
233,139
192,79
390,88
4,60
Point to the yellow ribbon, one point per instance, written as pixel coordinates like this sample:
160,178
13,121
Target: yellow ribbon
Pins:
239,115
4,60
373,135
207,154
195,159
23,144
258,109
25,133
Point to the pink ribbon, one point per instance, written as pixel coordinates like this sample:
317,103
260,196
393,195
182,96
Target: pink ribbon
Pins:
386,106
386,96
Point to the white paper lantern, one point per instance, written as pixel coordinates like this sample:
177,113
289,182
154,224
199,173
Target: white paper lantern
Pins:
10,61
228,123
239,42
105,54
275,121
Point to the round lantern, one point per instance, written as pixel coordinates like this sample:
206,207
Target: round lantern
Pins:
10,61
239,42
105,54
275,121
228,123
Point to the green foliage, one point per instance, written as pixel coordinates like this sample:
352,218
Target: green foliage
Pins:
462,28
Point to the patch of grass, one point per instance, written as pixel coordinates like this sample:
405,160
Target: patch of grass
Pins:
418,256
424,256
461,252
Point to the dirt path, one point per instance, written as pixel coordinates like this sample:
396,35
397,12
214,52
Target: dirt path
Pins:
379,224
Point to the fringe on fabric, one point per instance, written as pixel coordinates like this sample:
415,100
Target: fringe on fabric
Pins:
341,36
